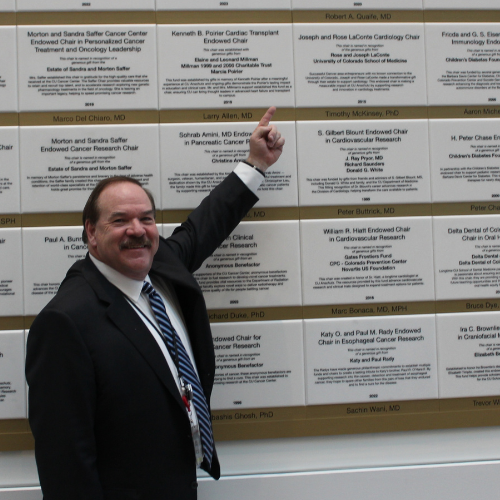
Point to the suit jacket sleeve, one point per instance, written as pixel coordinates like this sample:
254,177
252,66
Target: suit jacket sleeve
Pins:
214,219
62,402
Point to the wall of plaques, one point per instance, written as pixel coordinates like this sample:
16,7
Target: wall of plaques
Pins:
364,283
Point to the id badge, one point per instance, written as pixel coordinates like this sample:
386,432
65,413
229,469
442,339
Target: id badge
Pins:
195,427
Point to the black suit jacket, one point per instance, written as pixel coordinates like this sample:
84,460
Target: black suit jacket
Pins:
104,409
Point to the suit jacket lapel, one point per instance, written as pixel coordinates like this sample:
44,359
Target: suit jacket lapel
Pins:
132,326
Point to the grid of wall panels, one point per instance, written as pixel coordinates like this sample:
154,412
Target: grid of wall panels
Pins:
366,280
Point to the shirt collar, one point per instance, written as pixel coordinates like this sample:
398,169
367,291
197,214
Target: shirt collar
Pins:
129,287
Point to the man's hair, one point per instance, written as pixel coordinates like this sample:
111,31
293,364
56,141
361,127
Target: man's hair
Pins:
91,210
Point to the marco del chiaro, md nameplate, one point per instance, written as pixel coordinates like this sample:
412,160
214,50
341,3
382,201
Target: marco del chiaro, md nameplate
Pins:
360,360
11,273
467,257
257,265
224,66
12,381
61,165
465,160
258,365
353,162
9,175
78,5
463,63
8,69
222,6
468,354
87,67
367,260
197,157
58,248
359,64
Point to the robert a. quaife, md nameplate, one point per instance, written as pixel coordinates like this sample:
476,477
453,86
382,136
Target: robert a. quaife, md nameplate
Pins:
469,354
195,157
11,273
12,381
353,162
463,63
370,359
367,260
61,165
9,174
8,69
258,364
58,248
87,67
465,160
222,65
359,64
467,257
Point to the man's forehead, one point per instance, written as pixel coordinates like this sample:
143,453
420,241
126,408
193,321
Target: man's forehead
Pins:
122,193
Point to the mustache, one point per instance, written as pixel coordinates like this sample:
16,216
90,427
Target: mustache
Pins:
136,243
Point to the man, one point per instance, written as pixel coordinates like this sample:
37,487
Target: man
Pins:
110,405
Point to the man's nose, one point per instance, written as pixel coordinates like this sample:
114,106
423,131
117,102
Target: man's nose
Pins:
135,228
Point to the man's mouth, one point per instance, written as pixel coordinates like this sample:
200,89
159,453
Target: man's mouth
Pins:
134,245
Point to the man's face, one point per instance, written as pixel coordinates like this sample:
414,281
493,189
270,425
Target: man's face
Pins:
125,236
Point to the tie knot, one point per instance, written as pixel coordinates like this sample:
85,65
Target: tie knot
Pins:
147,288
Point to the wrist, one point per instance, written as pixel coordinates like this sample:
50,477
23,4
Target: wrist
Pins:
258,168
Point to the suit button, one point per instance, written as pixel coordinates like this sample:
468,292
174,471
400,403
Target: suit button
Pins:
194,485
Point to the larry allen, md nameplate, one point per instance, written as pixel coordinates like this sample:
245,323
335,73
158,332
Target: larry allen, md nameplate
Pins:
196,157
465,160
58,248
257,265
468,354
222,65
359,64
8,69
87,67
467,257
61,165
463,63
367,260
361,360
9,174
11,273
12,381
353,162
258,365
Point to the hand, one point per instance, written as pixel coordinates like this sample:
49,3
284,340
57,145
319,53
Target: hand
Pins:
266,143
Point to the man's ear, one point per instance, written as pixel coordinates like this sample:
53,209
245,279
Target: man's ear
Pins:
90,230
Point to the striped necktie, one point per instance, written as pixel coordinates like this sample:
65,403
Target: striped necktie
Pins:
185,368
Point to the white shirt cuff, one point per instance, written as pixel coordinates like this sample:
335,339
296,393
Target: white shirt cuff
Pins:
249,176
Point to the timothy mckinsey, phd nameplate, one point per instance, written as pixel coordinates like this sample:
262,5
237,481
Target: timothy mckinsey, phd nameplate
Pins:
12,381
359,64
468,354
366,260
361,360
465,160
9,176
257,265
462,63
467,257
196,157
353,162
61,165
11,273
258,365
58,248
225,66
8,69
87,67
